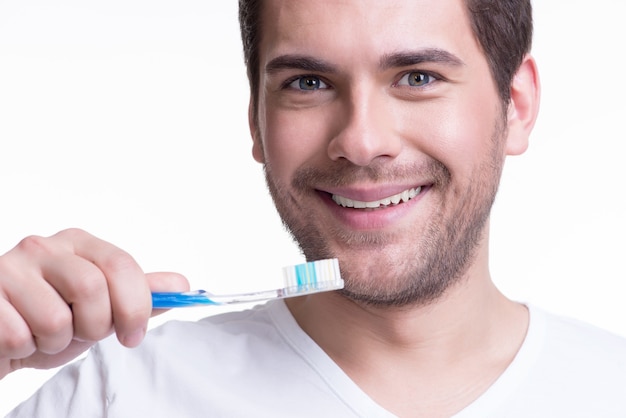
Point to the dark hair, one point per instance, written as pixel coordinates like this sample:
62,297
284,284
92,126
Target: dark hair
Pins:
250,23
503,28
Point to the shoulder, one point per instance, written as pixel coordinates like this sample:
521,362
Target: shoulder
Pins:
564,368
577,338
580,360
239,352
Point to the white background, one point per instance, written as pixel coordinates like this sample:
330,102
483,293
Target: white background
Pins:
128,118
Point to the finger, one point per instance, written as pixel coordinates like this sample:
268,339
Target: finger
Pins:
84,288
46,314
127,285
42,310
167,282
39,360
16,340
51,272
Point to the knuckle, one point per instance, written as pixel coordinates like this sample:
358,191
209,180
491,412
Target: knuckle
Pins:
56,323
119,262
87,285
72,234
33,244
55,332
16,343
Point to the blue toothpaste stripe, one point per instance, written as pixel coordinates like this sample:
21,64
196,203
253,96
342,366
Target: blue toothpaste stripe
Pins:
300,273
306,274
312,276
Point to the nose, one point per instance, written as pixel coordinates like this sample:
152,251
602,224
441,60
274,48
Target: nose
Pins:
365,130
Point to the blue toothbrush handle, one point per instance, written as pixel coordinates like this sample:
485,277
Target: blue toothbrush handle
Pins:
299,280
165,300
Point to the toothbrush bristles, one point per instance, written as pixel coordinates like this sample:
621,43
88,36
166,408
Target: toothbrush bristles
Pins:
313,276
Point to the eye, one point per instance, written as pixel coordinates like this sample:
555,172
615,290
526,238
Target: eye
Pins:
416,79
307,83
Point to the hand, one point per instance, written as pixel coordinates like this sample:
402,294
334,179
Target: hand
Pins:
61,294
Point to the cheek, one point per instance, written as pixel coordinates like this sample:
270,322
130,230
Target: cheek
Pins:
458,133
291,139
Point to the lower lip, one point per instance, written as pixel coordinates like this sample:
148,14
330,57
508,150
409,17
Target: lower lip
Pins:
372,219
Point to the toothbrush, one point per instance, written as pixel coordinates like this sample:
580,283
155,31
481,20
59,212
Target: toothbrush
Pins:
301,279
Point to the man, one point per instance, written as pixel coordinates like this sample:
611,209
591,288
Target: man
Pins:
383,128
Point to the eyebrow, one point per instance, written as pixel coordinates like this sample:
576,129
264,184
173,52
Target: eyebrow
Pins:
392,60
299,62
428,55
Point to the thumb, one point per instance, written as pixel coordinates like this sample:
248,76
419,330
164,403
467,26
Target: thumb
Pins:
166,282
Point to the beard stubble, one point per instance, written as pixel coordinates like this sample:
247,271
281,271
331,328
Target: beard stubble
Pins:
439,256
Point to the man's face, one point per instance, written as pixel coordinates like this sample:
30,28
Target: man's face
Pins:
383,139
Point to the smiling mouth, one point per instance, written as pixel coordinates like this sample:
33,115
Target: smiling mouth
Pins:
396,199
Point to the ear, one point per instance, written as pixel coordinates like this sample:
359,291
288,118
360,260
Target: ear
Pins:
257,146
523,107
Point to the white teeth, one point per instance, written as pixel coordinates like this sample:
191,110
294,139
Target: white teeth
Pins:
404,196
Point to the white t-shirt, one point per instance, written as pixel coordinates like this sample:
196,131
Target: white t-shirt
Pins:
259,363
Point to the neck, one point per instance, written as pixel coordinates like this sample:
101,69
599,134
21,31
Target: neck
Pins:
449,351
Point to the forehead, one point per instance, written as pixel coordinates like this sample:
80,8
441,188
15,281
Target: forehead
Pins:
358,29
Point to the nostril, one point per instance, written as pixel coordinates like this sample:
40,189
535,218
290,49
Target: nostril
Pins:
361,152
